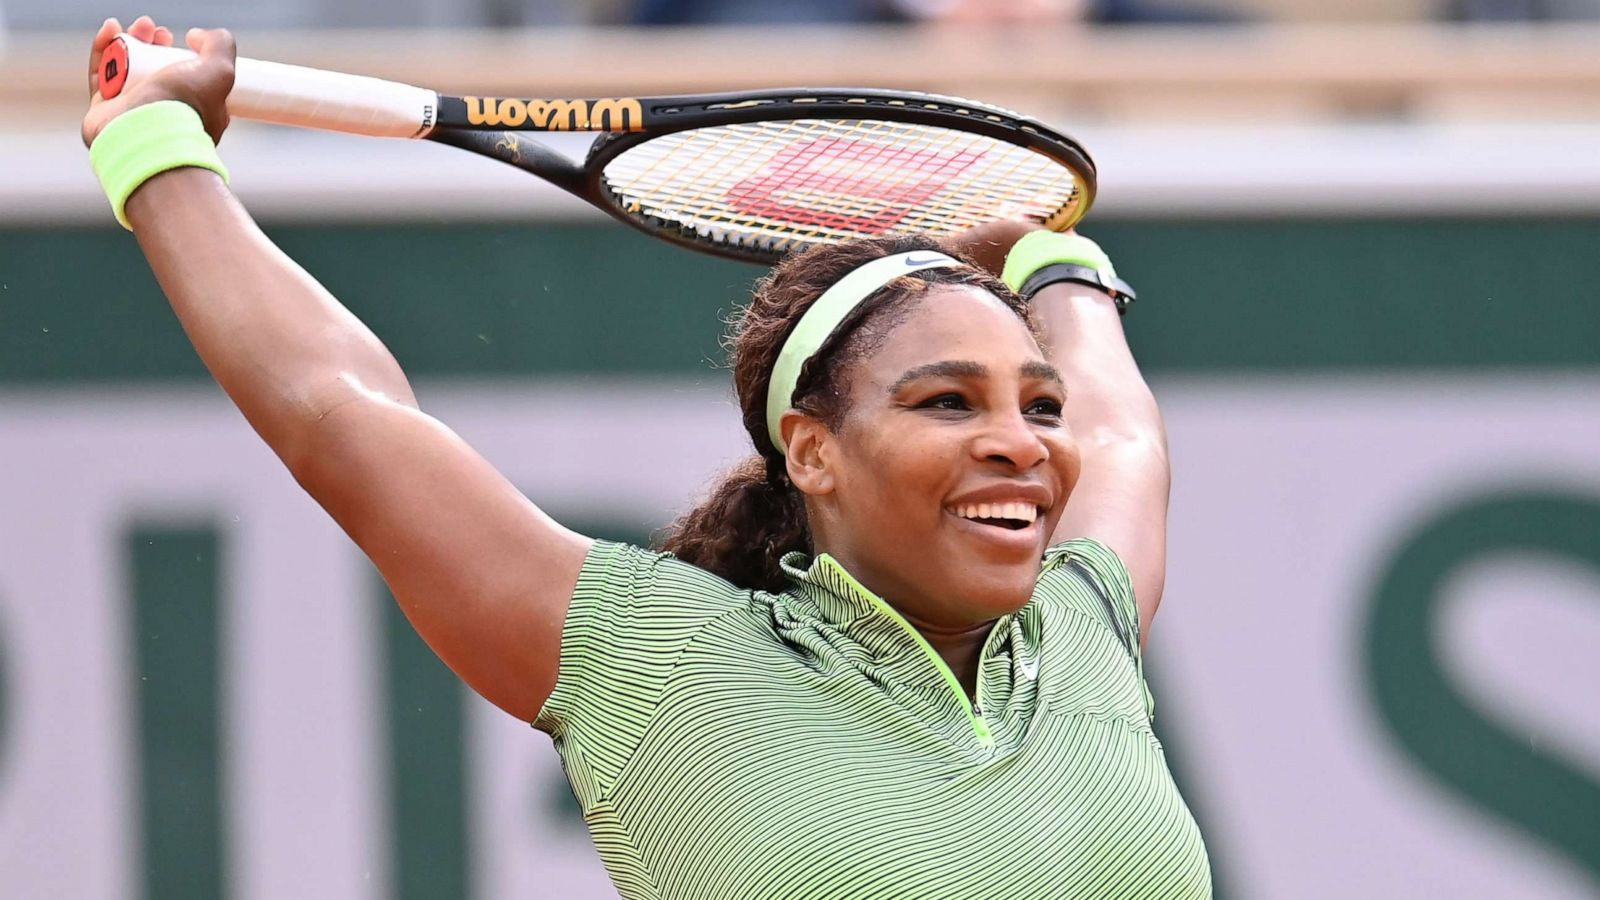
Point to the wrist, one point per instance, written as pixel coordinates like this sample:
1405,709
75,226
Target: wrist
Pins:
184,187
1072,293
1043,258
146,141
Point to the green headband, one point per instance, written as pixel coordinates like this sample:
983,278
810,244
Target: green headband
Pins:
819,322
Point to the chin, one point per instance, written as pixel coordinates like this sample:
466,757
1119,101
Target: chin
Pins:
990,591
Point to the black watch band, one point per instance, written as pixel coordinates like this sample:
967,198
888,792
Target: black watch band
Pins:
1120,291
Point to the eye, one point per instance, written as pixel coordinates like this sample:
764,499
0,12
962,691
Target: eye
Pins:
1044,408
951,402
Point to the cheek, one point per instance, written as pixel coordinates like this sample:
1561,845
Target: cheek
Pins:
1067,460
898,470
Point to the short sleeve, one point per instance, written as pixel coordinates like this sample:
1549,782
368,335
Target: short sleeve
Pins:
1104,572
633,611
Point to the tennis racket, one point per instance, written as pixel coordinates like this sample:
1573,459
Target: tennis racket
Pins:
750,175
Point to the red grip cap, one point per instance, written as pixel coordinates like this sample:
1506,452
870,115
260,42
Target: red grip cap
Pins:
114,68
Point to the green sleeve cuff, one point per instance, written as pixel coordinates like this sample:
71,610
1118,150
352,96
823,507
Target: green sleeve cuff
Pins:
1038,249
146,141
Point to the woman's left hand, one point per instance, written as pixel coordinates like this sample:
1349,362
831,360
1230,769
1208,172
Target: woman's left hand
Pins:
988,244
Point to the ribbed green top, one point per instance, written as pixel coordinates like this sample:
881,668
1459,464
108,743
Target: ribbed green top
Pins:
809,744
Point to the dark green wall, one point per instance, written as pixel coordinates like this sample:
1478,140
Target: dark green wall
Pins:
79,304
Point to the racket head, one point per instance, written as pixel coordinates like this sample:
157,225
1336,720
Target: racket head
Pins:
755,176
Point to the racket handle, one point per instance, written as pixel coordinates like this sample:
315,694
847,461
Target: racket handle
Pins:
288,95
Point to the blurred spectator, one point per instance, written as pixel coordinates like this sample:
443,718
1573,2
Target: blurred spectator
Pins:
1007,11
746,12
1161,11
757,12
1522,10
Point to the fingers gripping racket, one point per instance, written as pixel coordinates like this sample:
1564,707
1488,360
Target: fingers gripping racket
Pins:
746,175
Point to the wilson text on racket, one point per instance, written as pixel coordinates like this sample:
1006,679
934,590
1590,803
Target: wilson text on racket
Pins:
619,114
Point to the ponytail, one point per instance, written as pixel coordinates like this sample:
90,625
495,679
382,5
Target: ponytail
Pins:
752,518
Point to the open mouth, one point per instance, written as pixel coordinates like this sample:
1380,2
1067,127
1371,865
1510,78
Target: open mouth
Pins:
1011,516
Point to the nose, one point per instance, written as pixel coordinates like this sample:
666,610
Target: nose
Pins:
1010,439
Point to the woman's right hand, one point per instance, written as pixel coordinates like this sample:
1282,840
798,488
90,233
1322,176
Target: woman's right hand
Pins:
989,243
203,83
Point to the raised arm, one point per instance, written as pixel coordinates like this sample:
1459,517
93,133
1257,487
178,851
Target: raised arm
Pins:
1121,495
483,575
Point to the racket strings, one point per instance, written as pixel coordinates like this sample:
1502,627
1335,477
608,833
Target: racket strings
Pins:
775,185
807,193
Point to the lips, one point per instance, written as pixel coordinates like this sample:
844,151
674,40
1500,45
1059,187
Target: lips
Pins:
1004,493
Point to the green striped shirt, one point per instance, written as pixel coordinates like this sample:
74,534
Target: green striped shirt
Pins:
810,744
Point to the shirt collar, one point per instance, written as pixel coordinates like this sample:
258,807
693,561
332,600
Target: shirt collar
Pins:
835,596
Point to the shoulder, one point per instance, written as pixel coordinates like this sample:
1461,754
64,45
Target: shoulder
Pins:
633,611
627,573
634,615
1087,552
1085,590
1088,576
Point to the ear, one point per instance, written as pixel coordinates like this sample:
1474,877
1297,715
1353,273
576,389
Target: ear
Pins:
809,443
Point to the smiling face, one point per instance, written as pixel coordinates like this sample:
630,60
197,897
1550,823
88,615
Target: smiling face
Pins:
942,485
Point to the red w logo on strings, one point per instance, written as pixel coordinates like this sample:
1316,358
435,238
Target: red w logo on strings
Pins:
818,184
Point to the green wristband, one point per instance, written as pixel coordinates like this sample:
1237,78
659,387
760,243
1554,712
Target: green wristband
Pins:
1038,249
146,141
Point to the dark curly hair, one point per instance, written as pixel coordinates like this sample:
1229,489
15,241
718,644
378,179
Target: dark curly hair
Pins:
754,515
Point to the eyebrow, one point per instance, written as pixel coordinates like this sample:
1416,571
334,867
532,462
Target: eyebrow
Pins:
1042,371
960,368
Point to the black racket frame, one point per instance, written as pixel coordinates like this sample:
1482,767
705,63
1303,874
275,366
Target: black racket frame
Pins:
516,146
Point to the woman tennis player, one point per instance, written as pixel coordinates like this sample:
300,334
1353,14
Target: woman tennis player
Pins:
896,654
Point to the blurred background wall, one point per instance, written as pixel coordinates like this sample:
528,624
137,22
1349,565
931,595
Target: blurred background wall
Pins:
1367,242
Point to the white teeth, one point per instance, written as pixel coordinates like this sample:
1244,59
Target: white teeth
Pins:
1023,512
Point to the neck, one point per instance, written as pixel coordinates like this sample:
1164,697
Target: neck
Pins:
960,648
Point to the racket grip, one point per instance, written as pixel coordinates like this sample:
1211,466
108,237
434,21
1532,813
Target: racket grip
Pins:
288,95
